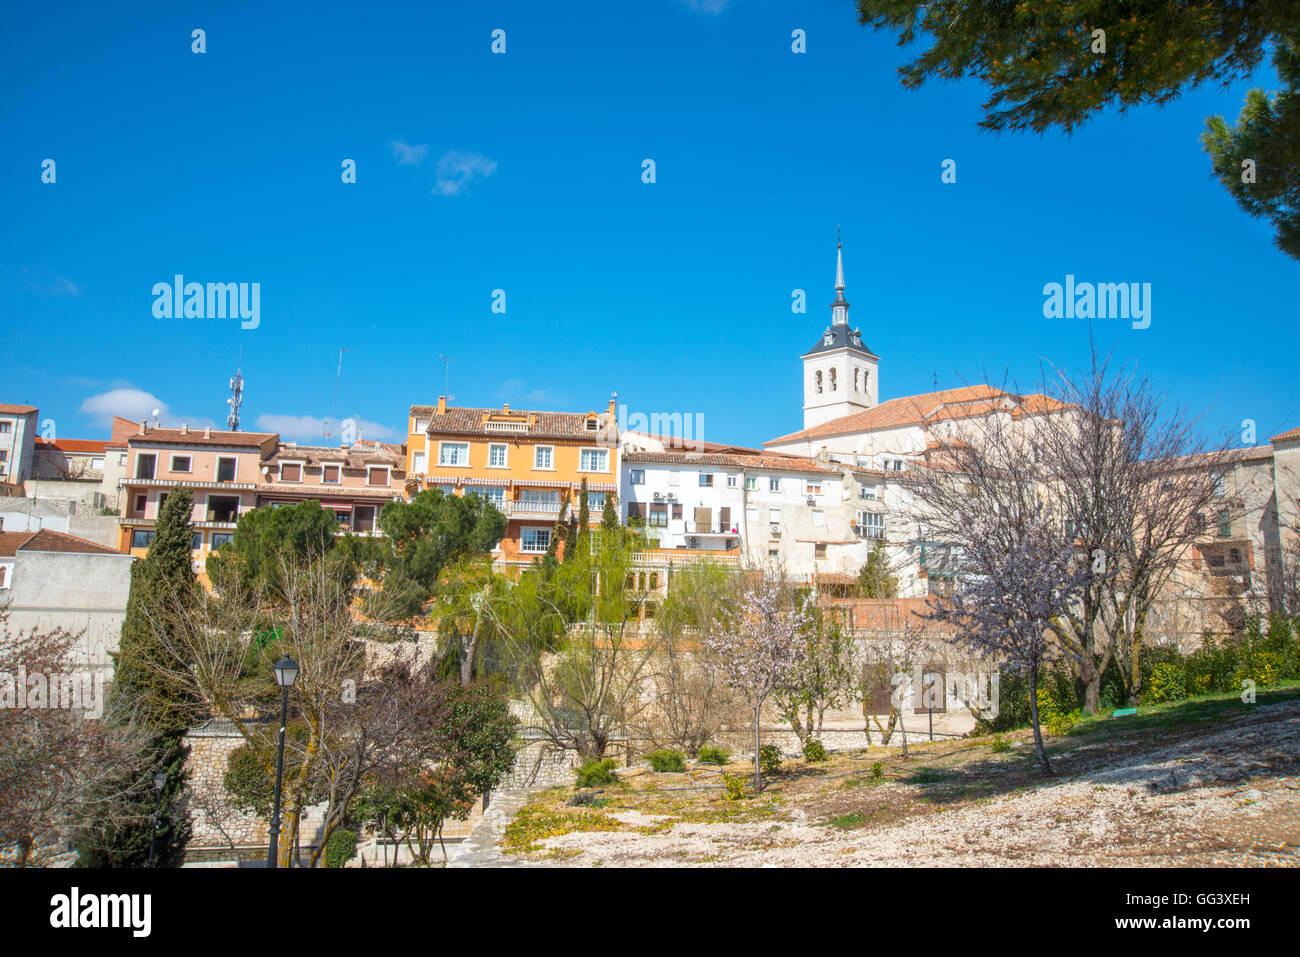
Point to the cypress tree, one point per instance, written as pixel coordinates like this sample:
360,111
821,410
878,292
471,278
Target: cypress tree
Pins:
162,585
608,516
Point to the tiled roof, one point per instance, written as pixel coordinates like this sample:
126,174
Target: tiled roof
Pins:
358,456
923,409
673,442
47,540
1287,436
562,425
762,462
197,437
16,409
383,492
72,445
841,338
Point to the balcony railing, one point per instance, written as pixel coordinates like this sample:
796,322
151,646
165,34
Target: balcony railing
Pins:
518,427
530,508
711,528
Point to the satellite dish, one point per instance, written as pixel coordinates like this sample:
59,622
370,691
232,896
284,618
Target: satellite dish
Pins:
155,413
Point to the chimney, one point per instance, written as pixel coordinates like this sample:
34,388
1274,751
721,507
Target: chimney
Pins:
442,405
185,429
142,427
505,407
613,404
207,431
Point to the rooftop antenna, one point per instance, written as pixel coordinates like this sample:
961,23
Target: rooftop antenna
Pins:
236,395
446,379
328,430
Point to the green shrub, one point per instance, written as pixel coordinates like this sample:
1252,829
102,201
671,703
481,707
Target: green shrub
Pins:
877,770
736,787
595,774
1000,744
714,754
666,760
769,759
1168,682
340,848
814,750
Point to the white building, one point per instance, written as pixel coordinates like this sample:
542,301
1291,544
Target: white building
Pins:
17,443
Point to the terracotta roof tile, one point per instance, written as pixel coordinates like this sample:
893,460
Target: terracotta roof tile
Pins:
72,445
1287,436
263,440
766,461
16,409
560,425
48,540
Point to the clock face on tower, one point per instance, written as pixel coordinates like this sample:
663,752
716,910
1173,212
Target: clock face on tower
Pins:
829,339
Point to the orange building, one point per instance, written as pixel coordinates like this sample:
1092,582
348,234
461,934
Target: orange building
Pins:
526,463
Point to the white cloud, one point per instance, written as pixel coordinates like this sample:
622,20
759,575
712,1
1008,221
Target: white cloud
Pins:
310,429
41,281
135,404
458,169
408,155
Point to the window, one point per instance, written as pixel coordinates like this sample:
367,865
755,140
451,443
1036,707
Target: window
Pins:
330,474
813,488
142,537
774,515
706,480
421,425
97,464
4,575
140,501
6,427
417,462
731,481
658,515
818,377
144,465
223,508
867,492
1234,555
377,475
677,512
636,476
497,456
593,424
494,494
819,518
291,472
595,501
543,457
819,550
181,463
857,375
774,485
751,484
225,470
365,518
1225,524
221,538
453,453
594,460
534,540
196,541
871,525
833,380
898,465
1219,488
121,460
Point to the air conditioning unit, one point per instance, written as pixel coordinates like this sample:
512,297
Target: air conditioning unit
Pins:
812,499
776,531
692,542
659,496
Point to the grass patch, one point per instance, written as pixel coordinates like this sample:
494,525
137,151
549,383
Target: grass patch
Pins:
538,822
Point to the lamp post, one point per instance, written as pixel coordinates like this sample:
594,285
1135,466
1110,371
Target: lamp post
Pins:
159,782
286,673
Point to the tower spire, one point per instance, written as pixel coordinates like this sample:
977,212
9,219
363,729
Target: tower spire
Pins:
840,307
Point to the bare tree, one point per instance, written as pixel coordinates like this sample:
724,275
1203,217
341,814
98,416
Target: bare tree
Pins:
62,765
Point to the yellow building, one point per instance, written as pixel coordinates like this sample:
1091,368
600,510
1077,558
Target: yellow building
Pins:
526,463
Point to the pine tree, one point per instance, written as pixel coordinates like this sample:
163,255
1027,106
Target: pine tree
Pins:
162,584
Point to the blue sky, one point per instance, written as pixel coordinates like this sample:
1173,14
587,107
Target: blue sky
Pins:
522,172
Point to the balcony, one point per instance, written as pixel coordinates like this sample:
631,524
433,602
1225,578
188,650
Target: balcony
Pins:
712,528
531,509
518,428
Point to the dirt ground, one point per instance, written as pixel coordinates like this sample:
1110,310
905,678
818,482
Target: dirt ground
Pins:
1212,784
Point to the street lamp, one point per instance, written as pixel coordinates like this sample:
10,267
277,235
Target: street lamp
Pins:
159,782
286,673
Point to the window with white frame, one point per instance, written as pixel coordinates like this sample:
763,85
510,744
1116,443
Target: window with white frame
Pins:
594,460
774,484
872,524
751,484
377,475
774,515
636,476
867,492
596,501
181,463
812,488
417,462
97,464
495,494
534,540
818,518
6,573
453,453
706,480
732,481
331,473
226,469
290,471
544,458
421,425
497,456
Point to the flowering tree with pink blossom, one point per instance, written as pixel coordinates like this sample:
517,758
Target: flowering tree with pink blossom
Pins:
759,646
1018,579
